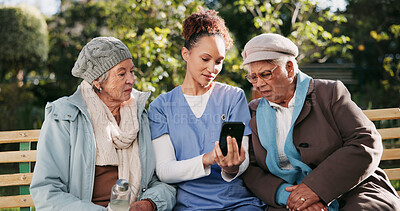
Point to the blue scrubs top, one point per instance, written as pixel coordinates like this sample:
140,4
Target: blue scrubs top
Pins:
191,137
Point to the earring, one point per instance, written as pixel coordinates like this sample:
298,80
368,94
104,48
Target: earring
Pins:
97,90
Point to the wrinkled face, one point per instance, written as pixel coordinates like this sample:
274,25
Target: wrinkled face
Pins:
204,60
276,88
118,86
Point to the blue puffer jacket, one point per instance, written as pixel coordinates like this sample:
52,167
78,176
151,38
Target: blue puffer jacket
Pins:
64,172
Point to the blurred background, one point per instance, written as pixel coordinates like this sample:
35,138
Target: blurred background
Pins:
356,41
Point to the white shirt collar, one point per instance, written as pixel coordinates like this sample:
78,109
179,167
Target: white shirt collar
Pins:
290,105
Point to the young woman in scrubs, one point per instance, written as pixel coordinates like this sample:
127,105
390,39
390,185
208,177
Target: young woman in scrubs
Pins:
186,122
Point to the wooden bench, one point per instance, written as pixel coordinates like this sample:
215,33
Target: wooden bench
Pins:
391,133
24,156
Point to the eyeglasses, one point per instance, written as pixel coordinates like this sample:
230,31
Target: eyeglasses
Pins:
265,76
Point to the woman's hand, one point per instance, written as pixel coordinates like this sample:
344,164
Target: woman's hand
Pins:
301,197
231,162
209,158
142,205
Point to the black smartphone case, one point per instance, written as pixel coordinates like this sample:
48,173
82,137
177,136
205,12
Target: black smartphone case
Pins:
233,129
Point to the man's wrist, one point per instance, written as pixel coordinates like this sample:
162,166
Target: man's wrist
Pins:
153,205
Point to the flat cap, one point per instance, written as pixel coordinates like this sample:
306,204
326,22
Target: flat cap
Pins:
268,46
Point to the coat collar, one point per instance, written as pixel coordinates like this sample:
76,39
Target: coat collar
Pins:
307,103
306,107
140,97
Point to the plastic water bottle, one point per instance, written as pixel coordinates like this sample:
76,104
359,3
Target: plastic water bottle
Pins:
120,196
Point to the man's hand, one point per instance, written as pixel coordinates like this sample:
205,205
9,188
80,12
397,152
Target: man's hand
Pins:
142,205
319,206
301,197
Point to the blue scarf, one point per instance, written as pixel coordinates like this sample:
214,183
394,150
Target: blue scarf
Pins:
266,119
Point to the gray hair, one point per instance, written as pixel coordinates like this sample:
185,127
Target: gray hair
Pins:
281,61
102,79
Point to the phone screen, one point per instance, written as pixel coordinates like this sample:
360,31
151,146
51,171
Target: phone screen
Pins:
233,129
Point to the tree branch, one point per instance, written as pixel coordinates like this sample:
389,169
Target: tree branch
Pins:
295,13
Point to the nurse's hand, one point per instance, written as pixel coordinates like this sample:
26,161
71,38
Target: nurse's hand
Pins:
209,158
231,162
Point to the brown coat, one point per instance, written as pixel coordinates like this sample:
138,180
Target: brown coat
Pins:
338,142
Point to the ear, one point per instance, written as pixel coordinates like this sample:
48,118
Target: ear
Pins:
185,53
97,84
290,68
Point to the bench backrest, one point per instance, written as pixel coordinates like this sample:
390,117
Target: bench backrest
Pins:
24,157
391,133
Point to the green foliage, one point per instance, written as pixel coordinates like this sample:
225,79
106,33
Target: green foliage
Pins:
391,61
69,31
313,30
373,96
378,46
17,108
152,31
24,39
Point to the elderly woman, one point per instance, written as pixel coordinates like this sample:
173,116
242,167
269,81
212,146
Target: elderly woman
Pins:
313,148
96,136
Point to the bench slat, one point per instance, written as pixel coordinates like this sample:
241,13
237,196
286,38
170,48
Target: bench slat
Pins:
15,179
393,174
389,133
16,201
19,136
382,114
391,154
18,156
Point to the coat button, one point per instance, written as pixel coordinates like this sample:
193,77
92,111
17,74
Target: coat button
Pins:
303,145
69,116
55,115
144,189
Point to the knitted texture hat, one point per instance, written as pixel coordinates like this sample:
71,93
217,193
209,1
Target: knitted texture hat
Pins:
98,56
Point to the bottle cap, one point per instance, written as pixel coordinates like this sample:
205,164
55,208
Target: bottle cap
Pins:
122,185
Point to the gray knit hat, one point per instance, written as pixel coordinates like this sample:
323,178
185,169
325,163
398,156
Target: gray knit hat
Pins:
98,56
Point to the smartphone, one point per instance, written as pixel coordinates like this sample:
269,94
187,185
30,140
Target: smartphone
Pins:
233,129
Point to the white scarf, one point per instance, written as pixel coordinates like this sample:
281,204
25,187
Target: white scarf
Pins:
115,145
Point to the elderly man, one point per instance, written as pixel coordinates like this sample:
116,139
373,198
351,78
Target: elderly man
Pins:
312,146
